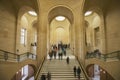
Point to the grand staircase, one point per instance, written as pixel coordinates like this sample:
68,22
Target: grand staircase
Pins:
59,69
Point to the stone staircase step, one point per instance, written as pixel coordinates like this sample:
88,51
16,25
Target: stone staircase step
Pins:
60,70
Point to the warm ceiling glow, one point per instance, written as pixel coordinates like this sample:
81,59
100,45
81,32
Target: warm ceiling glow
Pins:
33,13
88,13
60,18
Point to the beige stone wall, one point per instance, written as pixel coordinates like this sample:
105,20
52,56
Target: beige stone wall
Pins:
7,27
113,29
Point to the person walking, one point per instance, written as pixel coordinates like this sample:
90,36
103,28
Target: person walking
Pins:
43,77
74,69
48,76
60,53
78,72
67,60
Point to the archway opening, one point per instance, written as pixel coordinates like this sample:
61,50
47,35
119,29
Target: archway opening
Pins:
59,31
93,31
96,72
27,72
60,21
27,31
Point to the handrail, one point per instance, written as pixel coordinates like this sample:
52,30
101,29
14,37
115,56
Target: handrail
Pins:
5,55
39,69
8,52
114,54
83,69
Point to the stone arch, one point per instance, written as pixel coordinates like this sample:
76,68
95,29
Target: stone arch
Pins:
104,75
31,72
89,70
22,13
96,10
62,11
34,67
23,10
99,12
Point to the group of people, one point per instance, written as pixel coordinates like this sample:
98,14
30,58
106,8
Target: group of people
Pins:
77,71
59,50
95,53
53,52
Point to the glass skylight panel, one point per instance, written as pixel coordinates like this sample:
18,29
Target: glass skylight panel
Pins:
88,13
60,18
33,13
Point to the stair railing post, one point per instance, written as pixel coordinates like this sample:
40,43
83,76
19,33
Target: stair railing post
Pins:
118,55
105,56
32,56
27,54
18,58
6,56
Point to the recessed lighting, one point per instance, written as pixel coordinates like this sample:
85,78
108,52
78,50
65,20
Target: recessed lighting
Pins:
33,13
88,13
60,18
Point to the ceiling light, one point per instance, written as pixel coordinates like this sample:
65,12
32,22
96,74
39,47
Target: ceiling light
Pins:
33,13
60,18
88,13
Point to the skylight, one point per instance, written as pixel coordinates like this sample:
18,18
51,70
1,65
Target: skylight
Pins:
60,18
33,13
88,13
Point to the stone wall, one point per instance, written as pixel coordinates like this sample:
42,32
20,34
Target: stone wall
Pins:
7,27
113,29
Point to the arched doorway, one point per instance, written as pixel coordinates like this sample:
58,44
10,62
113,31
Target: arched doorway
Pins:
93,31
59,32
26,38
27,72
59,27
96,72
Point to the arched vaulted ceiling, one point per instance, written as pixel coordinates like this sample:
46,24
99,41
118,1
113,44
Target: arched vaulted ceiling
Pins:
18,4
103,5
60,11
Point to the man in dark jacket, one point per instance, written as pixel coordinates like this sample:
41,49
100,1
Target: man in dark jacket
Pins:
67,60
43,77
78,72
74,69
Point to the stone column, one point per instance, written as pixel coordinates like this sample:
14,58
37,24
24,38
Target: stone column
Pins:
80,37
42,38
72,38
103,39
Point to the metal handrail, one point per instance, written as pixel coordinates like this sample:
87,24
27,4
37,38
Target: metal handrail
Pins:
83,69
9,56
39,69
115,54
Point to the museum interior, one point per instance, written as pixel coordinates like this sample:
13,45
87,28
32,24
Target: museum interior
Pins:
38,37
